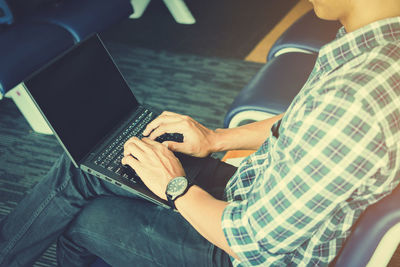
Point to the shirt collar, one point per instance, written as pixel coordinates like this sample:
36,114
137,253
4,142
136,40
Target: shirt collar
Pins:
347,46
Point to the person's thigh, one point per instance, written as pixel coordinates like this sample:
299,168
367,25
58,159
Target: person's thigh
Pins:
128,232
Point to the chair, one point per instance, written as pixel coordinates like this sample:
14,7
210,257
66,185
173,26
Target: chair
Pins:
307,35
271,90
375,236
31,37
293,56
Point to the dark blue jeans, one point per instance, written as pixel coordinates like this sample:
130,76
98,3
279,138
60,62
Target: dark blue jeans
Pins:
92,217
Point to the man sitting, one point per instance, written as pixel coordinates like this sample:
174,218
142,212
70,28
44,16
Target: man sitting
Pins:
334,152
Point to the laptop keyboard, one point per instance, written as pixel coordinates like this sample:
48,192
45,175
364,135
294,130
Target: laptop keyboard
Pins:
110,158
112,155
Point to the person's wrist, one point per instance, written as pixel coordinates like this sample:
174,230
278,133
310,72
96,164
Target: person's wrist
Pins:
176,188
184,201
213,141
217,143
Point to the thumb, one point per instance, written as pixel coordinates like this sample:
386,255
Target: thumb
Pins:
174,146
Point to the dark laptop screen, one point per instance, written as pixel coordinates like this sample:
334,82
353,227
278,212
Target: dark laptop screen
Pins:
83,95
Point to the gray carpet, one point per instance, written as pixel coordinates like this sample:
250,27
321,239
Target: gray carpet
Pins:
200,87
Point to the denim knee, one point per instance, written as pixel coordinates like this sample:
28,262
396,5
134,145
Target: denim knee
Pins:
94,217
77,246
94,232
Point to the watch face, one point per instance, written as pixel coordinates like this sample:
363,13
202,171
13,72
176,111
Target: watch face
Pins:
177,186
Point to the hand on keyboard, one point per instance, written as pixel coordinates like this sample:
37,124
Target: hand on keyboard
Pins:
198,140
152,160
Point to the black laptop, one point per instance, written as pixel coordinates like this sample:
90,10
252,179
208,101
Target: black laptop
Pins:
93,112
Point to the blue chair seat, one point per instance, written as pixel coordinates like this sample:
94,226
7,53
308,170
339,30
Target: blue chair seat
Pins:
369,231
42,34
272,89
21,50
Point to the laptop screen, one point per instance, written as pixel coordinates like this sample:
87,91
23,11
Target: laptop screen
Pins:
83,96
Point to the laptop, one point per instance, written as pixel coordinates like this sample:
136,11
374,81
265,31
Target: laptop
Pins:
93,112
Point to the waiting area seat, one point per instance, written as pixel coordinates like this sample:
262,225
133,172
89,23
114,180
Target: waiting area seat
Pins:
32,37
307,35
289,62
271,90
375,236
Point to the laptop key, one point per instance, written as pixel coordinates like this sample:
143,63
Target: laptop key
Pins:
134,129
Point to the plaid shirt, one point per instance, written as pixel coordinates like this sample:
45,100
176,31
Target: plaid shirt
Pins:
294,201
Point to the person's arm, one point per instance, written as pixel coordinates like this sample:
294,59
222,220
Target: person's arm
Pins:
200,141
246,137
155,160
195,206
203,211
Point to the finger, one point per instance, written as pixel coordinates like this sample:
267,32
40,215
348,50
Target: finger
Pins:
130,140
155,145
158,121
130,161
174,146
165,117
150,142
134,150
136,141
138,148
169,113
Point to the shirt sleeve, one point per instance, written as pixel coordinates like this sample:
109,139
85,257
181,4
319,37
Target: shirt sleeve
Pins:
324,152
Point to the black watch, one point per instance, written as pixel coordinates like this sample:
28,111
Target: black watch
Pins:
176,188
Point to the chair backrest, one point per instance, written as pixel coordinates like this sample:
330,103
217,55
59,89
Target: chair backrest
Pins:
308,34
375,236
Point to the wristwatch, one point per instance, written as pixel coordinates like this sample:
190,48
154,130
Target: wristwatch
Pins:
176,188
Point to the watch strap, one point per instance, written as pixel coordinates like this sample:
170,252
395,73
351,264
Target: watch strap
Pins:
171,201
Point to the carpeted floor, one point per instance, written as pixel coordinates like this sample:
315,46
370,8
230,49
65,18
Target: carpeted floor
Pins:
223,28
202,87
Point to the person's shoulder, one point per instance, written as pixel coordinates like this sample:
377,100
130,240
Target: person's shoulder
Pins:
379,76
383,58
369,79
370,65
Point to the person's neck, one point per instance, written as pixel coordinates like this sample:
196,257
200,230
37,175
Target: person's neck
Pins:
360,16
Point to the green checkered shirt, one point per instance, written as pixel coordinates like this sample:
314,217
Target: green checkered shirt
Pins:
294,201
